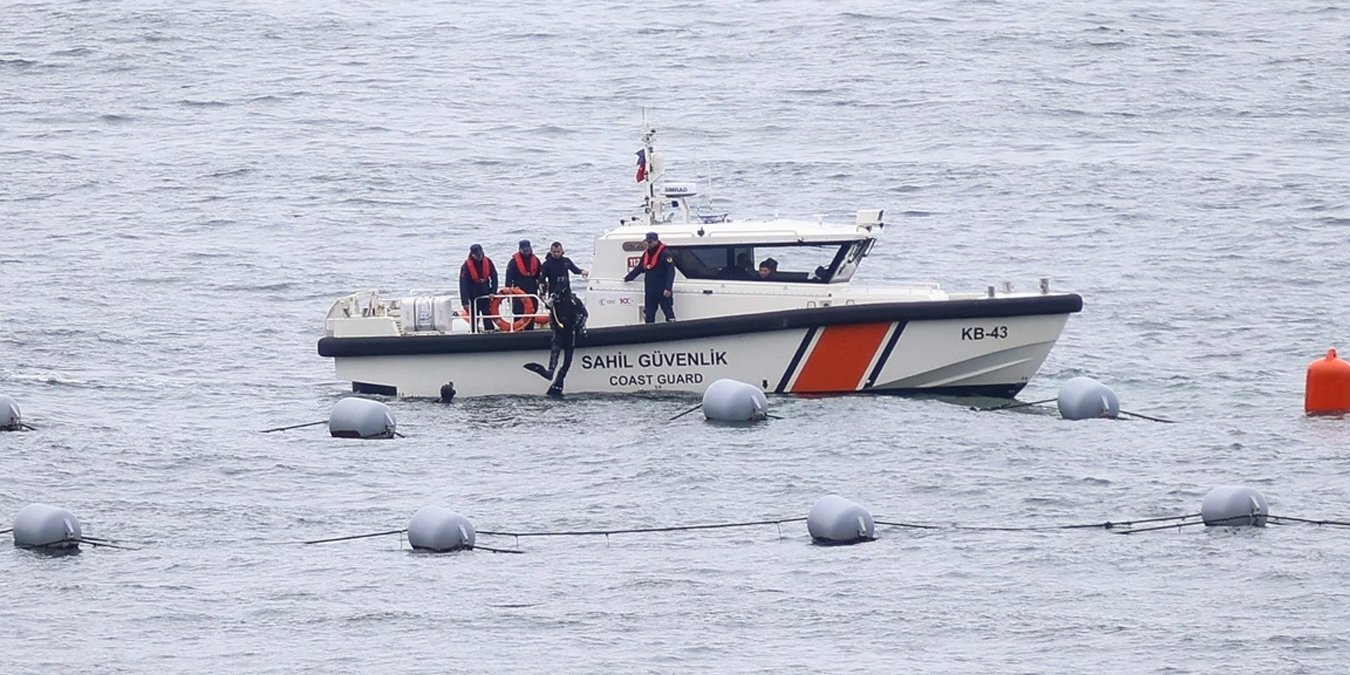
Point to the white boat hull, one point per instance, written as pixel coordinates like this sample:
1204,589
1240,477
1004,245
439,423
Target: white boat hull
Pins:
962,347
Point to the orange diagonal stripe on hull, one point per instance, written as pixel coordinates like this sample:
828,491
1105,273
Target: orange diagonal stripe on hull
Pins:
840,357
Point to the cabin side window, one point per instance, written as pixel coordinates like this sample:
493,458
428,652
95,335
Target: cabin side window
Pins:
852,257
792,263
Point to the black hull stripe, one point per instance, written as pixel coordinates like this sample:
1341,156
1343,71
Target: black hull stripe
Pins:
796,360
982,390
885,355
814,317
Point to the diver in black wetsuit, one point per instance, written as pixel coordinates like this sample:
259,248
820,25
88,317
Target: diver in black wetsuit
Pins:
567,317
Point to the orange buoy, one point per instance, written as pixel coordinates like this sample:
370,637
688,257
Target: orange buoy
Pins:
1328,388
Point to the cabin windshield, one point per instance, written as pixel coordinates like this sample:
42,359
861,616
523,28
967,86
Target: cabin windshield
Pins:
794,263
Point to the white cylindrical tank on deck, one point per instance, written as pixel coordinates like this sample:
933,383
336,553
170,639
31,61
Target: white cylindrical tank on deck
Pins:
835,520
1234,506
734,401
355,417
40,525
436,528
418,314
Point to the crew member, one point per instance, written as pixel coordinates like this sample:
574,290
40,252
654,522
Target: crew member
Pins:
768,268
658,265
523,273
477,280
567,317
554,273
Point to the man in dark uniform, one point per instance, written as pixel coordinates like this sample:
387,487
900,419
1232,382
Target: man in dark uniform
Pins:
554,273
659,267
477,278
567,317
523,273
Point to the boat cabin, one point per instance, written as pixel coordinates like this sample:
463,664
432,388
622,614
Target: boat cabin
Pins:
726,267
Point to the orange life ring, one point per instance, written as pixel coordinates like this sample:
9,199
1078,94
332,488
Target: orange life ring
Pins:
527,310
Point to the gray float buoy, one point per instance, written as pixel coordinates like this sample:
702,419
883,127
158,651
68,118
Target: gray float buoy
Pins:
734,401
354,417
1084,398
42,526
9,414
1234,506
835,520
436,528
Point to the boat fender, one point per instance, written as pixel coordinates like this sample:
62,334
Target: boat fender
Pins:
436,528
9,414
1085,398
354,417
835,520
1326,392
1234,506
43,526
734,401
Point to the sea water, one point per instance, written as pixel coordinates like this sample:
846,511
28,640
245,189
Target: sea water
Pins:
185,188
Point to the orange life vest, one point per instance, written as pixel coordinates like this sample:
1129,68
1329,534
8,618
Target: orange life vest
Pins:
479,276
651,258
532,270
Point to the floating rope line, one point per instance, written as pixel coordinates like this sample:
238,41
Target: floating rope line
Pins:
685,413
294,426
1242,519
1278,520
1155,528
96,543
767,415
1146,417
64,545
1123,526
357,536
1013,406
642,530
494,550
100,540
1114,527
1107,525
910,525
645,530
400,541
92,541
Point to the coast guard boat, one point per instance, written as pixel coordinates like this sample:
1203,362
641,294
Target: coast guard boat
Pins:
808,328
